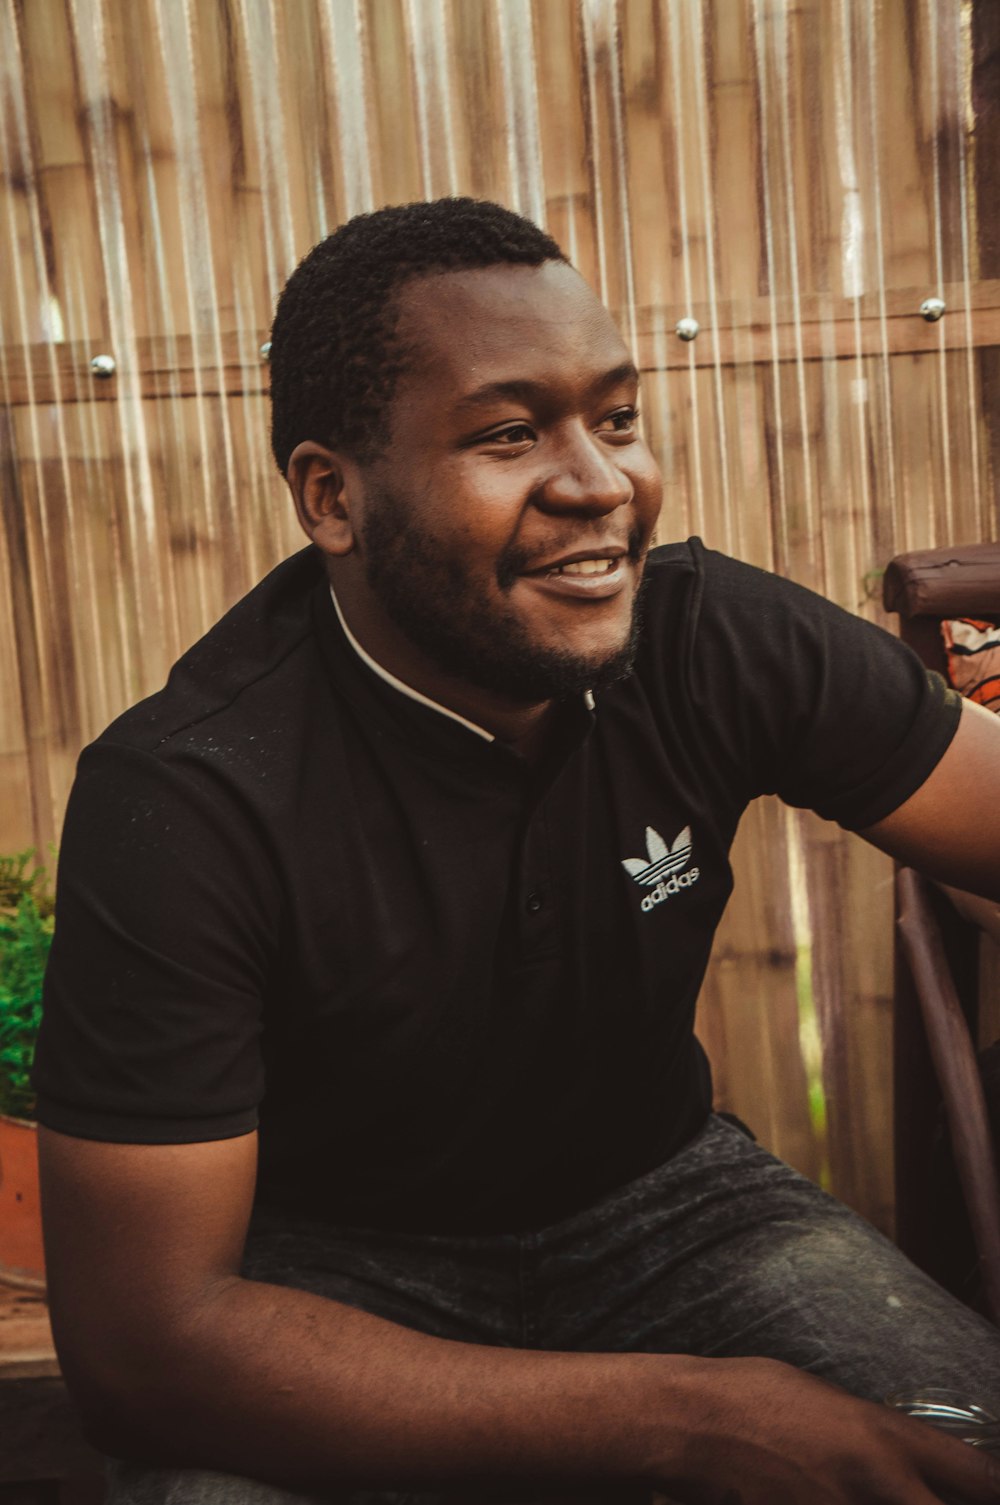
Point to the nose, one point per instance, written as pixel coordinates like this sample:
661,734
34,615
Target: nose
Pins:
585,477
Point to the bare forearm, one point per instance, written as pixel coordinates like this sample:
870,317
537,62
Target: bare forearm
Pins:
287,1386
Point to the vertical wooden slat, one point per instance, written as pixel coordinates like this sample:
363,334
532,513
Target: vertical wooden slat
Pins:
749,1017
515,27
348,149
984,108
24,696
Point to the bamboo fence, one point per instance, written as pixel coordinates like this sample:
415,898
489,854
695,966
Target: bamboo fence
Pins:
798,177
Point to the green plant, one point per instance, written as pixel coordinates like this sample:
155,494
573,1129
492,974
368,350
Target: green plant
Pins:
26,921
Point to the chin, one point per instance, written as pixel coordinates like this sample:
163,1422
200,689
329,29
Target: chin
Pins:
569,663
558,673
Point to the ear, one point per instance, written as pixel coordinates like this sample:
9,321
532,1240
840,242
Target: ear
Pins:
319,481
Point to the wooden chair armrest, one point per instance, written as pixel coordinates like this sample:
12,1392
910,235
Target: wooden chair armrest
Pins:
957,1071
962,581
983,913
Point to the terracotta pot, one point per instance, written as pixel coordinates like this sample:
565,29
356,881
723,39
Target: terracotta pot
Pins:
22,1261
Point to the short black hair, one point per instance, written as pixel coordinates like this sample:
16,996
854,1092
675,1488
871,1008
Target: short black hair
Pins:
334,357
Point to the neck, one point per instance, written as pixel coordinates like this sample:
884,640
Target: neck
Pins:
521,727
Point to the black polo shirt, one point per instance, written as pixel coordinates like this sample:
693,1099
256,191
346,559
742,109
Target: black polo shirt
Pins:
455,991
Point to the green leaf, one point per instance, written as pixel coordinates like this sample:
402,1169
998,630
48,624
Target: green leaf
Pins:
26,925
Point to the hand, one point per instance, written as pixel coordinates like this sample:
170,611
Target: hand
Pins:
771,1435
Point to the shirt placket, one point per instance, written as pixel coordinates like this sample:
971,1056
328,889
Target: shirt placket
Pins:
537,918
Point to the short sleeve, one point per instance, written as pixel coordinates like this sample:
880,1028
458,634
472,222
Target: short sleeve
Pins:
805,700
165,917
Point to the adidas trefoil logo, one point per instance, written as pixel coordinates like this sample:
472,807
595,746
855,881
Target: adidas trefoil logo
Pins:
663,873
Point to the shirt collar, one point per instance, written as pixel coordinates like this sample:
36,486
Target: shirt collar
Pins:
398,684
405,689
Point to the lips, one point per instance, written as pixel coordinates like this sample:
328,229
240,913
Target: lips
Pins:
583,576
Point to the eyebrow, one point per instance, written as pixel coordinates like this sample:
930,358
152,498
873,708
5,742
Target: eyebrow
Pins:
524,390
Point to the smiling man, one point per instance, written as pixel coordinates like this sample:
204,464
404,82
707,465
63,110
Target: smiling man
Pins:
378,1152
497,574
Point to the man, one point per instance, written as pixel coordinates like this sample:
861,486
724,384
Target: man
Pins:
408,880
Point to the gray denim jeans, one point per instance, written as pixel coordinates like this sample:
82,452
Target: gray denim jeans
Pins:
723,1251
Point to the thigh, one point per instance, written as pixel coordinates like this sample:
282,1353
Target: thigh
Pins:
133,1484
137,1484
463,1288
727,1252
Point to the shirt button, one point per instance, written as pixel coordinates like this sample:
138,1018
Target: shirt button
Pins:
533,903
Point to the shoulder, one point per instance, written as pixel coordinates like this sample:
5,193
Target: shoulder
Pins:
221,742
701,574
718,600
249,657
674,566
698,601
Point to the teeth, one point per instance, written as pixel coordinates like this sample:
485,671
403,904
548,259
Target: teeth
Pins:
587,567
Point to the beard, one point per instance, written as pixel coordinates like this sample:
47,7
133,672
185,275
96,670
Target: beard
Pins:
438,605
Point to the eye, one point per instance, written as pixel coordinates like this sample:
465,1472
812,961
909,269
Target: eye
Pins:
514,433
621,421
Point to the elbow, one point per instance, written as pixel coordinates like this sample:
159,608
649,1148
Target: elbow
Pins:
118,1419
134,1400
133,1433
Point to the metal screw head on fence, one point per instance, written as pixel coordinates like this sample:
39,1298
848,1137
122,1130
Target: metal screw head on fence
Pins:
103,365
932,308
687,329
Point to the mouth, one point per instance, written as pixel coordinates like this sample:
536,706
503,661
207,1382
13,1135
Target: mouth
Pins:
581,562
583,567
584,576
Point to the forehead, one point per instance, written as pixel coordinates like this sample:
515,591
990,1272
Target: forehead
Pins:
504,323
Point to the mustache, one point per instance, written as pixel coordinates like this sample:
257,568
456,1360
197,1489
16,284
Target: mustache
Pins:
514,559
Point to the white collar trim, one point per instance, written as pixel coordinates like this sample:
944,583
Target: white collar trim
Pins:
397,684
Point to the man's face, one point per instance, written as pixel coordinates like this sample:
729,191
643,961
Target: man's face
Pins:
505,527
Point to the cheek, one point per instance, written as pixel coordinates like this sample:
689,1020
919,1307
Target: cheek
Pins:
648,484
477,507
